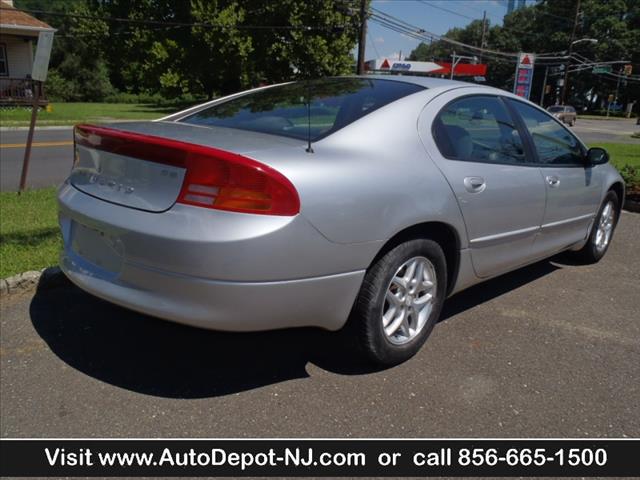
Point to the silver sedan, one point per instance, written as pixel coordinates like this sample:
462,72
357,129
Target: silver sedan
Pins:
353,202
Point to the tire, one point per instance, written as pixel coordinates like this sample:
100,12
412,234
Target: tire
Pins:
375,305
594,250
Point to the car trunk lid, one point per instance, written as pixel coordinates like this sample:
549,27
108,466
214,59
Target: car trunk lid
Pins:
143,165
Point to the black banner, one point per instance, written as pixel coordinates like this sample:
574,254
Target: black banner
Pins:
320,458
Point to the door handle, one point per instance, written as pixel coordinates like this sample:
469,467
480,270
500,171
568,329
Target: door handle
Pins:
474,184
553,181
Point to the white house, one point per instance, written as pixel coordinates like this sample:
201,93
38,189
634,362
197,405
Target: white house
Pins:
18,37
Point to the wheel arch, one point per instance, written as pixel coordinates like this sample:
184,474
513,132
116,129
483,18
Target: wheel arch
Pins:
444,234
618,189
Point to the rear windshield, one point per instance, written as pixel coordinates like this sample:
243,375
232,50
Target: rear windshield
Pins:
555,109
330,103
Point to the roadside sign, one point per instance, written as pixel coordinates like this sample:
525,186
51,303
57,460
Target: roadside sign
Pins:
602,69
434,68
524,75
43,52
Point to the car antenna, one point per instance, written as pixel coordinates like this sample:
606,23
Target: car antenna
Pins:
309,149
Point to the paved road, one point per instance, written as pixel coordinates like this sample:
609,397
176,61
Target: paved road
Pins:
51,158
53,152
551,350
618,130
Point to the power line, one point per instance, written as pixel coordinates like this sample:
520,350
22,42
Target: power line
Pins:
373,44
447,10
403,27
421,32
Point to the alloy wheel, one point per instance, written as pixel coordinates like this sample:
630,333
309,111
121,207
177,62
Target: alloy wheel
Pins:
409,300
605,227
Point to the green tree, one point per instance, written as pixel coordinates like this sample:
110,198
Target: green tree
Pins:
77,69
545,28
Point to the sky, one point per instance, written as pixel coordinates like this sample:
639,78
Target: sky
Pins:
430,15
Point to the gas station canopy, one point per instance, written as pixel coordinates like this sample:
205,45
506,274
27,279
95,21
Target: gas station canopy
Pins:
426,68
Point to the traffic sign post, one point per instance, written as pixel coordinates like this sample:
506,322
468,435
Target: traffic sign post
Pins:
602,69
524,75
39,75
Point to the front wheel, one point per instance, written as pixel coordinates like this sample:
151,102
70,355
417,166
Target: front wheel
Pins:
601,231
400,301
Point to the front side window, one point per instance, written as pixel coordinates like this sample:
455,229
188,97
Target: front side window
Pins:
554,144
314,108
478,129
4,67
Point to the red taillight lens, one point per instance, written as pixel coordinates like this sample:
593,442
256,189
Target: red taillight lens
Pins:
214,178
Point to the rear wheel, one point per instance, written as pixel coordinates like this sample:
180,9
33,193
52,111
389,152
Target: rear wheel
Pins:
400,302
601,231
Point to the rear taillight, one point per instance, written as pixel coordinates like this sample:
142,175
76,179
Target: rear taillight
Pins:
214,178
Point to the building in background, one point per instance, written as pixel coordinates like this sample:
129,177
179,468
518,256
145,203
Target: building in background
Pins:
18,36
512,5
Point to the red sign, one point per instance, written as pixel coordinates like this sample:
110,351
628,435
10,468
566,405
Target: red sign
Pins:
463,69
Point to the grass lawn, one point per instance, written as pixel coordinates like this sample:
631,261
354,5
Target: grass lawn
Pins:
71,113
29,235
621,154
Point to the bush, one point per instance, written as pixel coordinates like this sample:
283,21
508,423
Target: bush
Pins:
631,177
127,97
153,98
619,114
73,81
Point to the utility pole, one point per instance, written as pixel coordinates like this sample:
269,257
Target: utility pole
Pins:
453,64
37,90
615,97
544,86
565,83
363,36
484,32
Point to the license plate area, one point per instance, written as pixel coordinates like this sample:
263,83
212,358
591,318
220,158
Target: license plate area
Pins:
97,247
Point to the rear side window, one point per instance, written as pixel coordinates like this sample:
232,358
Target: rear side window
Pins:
554,144
331,103
478,129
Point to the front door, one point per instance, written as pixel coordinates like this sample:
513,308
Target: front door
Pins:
573,189
501,195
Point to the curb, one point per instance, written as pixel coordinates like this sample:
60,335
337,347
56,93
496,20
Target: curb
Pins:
44,279
70,127
24,129
631,206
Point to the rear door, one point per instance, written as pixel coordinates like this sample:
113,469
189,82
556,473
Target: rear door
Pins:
475,143
573,189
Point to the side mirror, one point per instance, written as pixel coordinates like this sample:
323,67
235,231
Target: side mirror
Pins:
597,156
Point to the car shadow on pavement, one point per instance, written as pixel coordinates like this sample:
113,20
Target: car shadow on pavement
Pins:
153,357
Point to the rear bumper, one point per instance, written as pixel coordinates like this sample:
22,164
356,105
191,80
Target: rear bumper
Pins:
210,269
233,306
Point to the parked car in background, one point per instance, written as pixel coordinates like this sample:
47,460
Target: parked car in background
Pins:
359,201
564,113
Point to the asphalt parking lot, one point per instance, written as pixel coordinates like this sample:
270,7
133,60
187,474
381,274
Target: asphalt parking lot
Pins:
552,350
